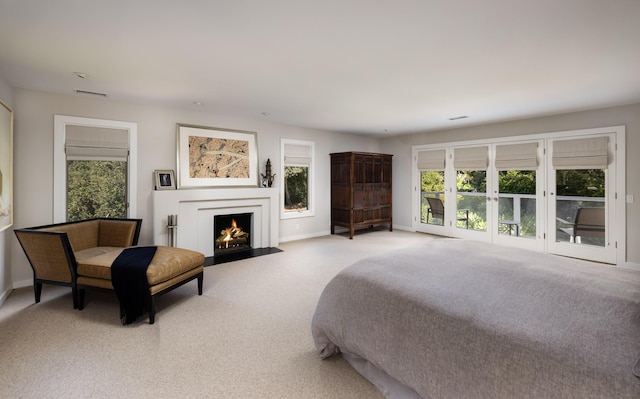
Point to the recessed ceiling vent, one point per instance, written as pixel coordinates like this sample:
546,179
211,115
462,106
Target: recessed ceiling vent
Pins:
455,118
92,93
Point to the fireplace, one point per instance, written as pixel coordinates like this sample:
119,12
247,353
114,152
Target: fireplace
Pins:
232,233
195,209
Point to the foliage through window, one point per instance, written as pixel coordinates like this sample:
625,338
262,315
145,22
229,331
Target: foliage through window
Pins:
578,188
296,188
96,189
432,182
471,187
517,202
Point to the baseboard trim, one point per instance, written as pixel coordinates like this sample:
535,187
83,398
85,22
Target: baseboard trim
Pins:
338,230
5,295
22,283
304,236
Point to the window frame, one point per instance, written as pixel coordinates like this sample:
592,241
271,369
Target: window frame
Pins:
284,214
60,161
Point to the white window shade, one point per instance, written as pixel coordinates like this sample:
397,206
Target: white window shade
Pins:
590,153
92,143
432,160
297,154
471,158
517,156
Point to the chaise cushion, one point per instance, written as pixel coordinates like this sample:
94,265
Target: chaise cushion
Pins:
82,235
170,262
96,262
116,233
167,263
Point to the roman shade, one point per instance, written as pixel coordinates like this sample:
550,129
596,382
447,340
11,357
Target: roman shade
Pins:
471,158
297,154
92,143
517,156
432,160
587,153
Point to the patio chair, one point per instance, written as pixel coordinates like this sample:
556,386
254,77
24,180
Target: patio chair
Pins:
589,222
436,210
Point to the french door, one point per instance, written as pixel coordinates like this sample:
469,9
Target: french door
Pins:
582,187
525,193
489,201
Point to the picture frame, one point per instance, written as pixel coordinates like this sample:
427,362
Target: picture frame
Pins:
6,166
215,157
164,180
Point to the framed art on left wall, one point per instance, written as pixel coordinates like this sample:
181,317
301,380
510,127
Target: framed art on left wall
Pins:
6,166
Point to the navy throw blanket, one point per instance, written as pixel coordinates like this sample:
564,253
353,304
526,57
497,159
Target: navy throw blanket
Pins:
129,280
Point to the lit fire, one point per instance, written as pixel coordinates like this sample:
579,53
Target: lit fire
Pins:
231,233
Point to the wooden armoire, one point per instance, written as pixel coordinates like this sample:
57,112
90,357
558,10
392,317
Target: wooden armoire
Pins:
360,190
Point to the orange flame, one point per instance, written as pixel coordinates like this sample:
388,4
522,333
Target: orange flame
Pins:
227,236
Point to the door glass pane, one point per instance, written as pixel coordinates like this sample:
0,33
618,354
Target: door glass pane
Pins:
96,189
580,205
471,211
517,203
432,191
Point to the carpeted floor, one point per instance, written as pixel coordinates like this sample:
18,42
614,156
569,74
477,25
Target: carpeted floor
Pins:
247,336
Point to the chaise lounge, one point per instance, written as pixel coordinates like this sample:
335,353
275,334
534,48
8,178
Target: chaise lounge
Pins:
80,254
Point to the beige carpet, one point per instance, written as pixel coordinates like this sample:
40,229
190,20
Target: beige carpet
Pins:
247,336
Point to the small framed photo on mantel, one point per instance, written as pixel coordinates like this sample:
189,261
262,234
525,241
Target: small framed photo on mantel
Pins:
164,180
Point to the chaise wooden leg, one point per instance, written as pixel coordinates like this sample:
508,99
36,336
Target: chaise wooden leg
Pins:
74,295
80,294
37,290
152,309
200,280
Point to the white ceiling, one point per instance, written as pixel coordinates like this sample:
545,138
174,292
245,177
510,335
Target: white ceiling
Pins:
379,67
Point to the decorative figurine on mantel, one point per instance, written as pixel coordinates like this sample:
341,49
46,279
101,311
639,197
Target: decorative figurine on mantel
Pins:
267,177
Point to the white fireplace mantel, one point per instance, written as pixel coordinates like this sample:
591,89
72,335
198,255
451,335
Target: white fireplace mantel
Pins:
195,210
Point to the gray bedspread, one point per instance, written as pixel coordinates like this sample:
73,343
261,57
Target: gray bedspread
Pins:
463,319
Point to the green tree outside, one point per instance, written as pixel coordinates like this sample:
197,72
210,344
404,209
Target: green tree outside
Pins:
96,189
296,188
578,183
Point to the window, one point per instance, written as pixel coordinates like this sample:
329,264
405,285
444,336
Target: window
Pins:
432,166
94,167
580,166
96,172
297,175
470,165
517,166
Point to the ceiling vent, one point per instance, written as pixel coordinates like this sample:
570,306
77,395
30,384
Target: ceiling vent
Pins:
93,93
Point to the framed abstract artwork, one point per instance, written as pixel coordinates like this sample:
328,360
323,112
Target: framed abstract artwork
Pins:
213,157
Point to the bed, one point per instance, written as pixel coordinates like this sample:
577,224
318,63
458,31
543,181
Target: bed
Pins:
463,319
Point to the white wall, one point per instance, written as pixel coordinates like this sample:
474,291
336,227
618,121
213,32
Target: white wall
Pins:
33,159
6,95
33,153
628,116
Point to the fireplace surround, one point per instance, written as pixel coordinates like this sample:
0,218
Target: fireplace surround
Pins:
195,209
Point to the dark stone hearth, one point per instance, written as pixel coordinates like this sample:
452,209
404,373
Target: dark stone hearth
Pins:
252,253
